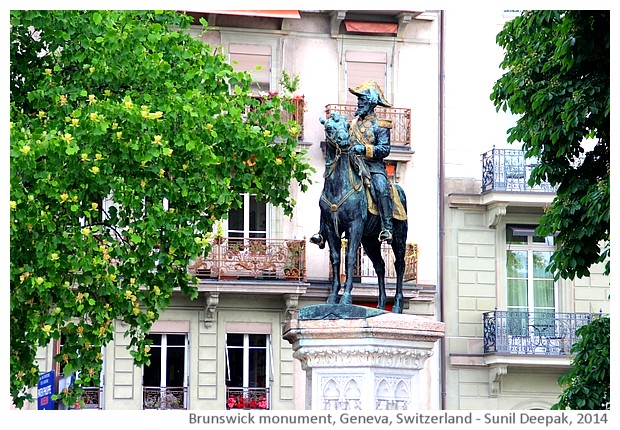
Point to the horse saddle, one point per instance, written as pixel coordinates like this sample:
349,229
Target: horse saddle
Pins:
398,210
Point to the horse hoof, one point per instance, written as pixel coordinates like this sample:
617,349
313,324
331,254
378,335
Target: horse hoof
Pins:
397,310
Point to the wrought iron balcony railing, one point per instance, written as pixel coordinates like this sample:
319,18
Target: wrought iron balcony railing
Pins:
531,333
245,258
509,170
247,398
364,268
164,397
401,120
299,105
92,397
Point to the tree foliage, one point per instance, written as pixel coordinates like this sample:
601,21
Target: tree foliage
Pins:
127,106
557,80
587,385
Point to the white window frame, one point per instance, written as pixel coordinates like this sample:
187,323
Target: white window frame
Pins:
246,219
355,46
536,333
259,39
269,369
530,248
164,359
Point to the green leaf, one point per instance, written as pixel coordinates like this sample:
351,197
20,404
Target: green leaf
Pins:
72,149
135,51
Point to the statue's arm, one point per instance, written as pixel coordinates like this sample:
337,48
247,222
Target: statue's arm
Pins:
382,147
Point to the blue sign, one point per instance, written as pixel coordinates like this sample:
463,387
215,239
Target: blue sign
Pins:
45,390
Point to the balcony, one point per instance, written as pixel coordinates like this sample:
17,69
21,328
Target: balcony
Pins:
297,115
164,398
401,120
247,398
364,271
531,333
92,397
509,170
249,258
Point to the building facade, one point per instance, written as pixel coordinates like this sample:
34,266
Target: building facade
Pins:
509,326
473,261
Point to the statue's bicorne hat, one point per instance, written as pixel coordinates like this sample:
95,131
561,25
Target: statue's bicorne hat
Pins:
372,90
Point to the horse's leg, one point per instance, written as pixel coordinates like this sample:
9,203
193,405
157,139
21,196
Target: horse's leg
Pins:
334,242
399,247
354,239
373,250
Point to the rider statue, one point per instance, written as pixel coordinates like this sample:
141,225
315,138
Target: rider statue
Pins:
371,138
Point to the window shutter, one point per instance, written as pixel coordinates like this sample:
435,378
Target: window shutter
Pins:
247,58
362,66
243,327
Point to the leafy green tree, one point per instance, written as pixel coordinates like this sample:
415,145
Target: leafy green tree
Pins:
587,385
557,81
125,106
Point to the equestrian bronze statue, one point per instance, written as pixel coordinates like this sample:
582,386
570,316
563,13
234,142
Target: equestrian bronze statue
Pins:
357,198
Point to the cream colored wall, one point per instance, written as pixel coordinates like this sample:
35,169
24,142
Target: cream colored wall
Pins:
207,385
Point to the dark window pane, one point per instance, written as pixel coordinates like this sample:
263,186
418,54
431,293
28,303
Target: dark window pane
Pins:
235,219
258,340
175,367
156,338
258,362
176,339
235,366
234,339
152,372
258,215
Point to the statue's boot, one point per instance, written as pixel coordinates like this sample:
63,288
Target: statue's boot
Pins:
385,212
317,239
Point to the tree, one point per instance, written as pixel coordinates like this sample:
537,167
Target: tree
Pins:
125,106
557,80
587,385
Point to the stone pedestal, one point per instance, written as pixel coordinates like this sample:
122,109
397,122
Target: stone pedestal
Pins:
361,358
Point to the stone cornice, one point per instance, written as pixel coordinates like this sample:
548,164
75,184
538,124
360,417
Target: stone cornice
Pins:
362,356
387,326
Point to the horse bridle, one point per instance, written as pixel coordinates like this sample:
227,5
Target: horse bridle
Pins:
354,187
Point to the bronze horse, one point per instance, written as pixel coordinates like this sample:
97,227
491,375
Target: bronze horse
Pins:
344,209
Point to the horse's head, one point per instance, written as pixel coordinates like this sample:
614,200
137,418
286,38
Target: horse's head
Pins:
337,130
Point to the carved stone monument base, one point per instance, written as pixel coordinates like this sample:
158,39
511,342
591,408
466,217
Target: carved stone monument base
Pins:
361,358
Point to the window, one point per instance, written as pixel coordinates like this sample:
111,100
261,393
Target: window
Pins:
248,370
165,379
92,396
247,58
531,290
362,66
249,221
